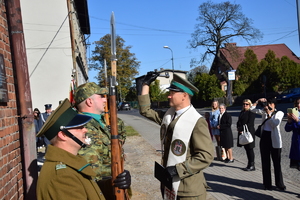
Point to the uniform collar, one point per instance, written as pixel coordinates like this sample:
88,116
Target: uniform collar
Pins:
55,154
97,117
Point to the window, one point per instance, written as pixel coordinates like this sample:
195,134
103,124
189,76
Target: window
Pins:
3,82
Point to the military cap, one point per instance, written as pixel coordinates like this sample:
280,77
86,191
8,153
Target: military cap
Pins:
48,106
86,90
179,84
63,117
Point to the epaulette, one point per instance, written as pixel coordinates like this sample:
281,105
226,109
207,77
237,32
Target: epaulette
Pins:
60,166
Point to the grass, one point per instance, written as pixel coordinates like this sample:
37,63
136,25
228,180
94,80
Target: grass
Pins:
130,131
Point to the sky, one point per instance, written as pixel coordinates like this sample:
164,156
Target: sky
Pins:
149,25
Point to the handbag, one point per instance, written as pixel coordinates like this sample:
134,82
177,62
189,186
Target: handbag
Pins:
258,130
245,137
221,154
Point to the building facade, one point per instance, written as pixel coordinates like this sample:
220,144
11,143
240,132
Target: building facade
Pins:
55,36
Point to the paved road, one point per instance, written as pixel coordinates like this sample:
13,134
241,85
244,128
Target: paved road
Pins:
224,179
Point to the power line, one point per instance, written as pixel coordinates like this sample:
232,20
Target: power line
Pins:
49,45
142,27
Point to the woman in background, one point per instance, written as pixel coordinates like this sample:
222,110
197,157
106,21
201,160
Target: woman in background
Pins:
226,137
270,144
293,124
247,117
207,116
38,123
214,115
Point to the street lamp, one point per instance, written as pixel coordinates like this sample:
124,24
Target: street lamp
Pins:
167,47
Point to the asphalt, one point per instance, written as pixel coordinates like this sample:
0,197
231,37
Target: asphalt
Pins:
228,180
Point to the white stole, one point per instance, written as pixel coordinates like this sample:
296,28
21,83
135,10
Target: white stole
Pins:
179,144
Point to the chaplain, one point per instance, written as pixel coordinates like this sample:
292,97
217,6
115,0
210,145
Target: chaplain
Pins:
186,143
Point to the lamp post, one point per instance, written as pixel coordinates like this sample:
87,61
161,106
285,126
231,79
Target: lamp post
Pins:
167,47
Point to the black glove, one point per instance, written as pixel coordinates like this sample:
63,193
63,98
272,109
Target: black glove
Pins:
150,77
139,84
123,180
171,171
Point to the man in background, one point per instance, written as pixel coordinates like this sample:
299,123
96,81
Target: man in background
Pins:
44,117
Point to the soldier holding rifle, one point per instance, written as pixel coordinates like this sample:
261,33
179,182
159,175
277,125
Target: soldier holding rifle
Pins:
90,100
186,143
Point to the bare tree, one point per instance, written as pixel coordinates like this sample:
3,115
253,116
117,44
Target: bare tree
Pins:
191,75
219,23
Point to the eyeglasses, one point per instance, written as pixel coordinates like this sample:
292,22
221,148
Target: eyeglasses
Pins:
247,104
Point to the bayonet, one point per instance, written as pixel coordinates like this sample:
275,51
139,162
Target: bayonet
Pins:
113,34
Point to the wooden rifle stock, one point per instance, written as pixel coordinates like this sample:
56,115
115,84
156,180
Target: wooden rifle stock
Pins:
106,113
116,161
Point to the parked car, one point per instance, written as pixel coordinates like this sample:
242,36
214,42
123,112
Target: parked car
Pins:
288,95
124,106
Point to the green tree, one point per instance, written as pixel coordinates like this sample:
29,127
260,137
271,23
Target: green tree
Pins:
131,95
156,94
209,87
271,71
127,63
289,74
279,74
247,75
191,75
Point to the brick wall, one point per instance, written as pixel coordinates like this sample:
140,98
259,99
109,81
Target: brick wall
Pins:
11,177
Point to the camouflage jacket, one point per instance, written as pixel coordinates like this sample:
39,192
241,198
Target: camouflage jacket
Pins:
98,153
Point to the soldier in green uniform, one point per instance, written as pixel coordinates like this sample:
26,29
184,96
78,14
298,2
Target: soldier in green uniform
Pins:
65,175
185,138
90,100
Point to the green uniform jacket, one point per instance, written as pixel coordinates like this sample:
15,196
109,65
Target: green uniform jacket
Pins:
98,153
199,153
66,176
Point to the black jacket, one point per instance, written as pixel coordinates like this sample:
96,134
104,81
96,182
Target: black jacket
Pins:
246,117
226,137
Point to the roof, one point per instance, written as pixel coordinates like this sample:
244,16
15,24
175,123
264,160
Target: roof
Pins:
83,15
260,51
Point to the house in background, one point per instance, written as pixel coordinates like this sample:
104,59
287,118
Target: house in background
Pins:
232,60
55,38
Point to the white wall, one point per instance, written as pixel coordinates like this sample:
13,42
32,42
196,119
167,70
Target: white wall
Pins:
50,81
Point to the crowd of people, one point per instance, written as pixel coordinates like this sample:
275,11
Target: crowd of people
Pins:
78,140
270,144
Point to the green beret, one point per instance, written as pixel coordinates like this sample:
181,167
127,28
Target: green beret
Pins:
86,90
179,84
63,117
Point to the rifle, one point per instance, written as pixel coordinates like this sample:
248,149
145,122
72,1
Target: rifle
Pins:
116,163
106,113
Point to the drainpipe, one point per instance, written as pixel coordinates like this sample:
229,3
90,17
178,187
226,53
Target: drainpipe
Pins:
23,94
73,45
